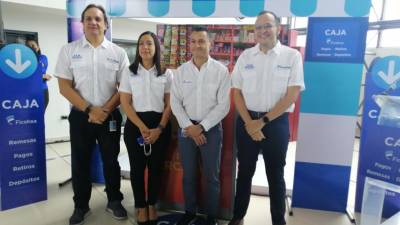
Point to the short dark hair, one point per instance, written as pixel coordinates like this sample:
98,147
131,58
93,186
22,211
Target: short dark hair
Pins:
99,7
276,18
156,59
199,29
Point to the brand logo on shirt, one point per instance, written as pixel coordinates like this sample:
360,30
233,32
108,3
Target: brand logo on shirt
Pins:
112,60
76,56
187,81
284,67
249,67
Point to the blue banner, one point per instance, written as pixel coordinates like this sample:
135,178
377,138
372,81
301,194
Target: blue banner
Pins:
336,39
380,135
332,74
22,146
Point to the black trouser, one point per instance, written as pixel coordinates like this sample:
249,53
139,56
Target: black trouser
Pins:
139,161
274,148
83,140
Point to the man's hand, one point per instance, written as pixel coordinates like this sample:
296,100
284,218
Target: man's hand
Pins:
257,136
253,126
97,115
193,130
200,139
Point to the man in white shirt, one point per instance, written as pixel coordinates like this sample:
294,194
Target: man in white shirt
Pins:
88,72
199,101
266,80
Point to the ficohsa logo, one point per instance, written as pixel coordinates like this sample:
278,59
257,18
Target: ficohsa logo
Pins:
19,104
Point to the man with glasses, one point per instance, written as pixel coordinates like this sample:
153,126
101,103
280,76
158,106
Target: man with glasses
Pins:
266,81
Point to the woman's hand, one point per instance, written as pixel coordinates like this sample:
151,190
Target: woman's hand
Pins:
154,135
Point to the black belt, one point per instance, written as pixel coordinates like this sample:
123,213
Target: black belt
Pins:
256,115
194,122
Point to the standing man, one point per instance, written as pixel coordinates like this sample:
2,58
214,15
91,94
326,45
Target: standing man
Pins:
266,81
89,71
199,101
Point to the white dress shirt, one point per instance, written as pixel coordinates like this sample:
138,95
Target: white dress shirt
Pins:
147,89
264,78
95,72
202,95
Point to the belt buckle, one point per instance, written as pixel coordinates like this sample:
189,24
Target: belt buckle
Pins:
258,115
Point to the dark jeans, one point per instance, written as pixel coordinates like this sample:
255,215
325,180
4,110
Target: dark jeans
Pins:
83,140
210,154
274,149
139,161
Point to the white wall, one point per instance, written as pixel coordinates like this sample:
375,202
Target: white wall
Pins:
52,30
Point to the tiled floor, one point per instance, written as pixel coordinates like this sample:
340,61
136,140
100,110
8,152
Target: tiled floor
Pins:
57,209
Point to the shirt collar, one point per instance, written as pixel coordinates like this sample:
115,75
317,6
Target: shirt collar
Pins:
276,49
205,65
151,70
104,44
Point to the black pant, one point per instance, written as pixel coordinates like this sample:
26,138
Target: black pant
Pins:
139,161
274,149
83,140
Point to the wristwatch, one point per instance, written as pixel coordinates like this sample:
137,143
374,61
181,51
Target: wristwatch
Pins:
161,127
266,119
202,127
87,109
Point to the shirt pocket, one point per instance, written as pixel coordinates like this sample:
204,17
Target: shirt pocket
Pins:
80,72
281,80
111,70
212,91
249,81
136,84
158,86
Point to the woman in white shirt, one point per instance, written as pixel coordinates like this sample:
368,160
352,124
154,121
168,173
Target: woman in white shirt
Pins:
144,92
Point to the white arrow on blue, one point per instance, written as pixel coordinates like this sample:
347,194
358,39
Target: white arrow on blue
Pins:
18,67
390,78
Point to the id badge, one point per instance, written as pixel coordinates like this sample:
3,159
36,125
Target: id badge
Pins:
113,125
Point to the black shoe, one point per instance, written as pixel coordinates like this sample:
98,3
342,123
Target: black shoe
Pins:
211,221
117,210
78,216
186,219
236,222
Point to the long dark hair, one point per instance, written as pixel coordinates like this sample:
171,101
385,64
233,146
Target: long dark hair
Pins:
156,59
29,39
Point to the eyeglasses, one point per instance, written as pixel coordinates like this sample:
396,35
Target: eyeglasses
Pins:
266,26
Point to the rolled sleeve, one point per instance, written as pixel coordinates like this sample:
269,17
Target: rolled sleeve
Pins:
237,80
63,66
297,73
124,85
169,75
